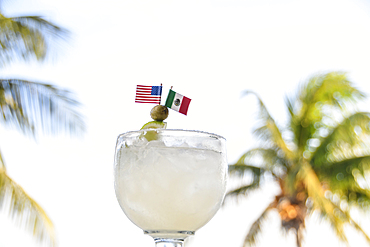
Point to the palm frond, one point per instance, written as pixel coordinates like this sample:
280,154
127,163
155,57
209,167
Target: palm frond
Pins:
269,131
341,175
2,164
359,197
329,89
356,226
32,106
24,210
242,191
349,132
254,162
251,238
27,37
290,105
37,22
345,217
240,170
263,157
323,95
327,209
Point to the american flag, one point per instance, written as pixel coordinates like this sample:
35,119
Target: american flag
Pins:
148,94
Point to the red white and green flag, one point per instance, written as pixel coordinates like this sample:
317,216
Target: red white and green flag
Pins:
177,102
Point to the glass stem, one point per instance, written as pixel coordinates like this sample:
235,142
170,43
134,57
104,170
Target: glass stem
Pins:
169,243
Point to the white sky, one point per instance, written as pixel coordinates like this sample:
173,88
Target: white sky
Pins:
209,51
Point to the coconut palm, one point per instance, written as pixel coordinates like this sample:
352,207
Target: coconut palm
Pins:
31,107
318,160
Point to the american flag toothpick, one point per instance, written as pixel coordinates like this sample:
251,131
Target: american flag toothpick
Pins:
148,94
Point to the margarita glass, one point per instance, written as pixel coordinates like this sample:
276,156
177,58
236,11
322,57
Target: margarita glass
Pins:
171,185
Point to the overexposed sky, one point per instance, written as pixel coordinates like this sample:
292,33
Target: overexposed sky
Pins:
208,50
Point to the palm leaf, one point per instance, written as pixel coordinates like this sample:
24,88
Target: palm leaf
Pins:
346,134
332,89
266,160
32,106
328,209
263,157
240,170
24,210
323,93
320,202
269,131
290,105
340,175
27,37
345,217
242,191
251,238
355,225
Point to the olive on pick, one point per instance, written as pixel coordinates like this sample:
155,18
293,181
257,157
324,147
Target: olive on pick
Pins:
159,112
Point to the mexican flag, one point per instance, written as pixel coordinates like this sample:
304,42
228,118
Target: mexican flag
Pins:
177,102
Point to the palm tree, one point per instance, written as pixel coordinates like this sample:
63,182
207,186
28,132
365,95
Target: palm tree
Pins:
318,160
31,107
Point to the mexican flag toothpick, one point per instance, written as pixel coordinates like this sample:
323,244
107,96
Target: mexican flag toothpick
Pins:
177,102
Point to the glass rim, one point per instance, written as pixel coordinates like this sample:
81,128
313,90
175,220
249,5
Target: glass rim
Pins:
174,130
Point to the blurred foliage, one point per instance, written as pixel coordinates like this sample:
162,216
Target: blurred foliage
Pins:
24,38
32,108
319,160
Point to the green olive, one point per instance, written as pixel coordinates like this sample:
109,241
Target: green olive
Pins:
159,112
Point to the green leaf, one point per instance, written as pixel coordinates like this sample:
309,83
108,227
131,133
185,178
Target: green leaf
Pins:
240,171
336,216
343,176
24,210
320,202
269,131
36,107
242,191
343,134
256,228
27,37
323,95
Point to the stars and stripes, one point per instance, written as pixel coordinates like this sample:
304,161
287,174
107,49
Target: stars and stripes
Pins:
152,94
148,94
